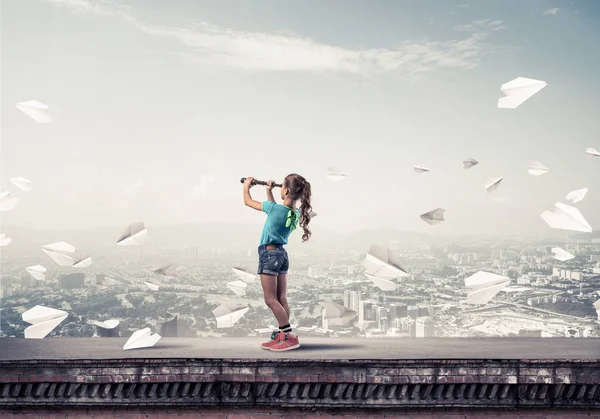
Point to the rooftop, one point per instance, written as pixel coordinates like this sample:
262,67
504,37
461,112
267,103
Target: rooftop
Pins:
312,349
518,373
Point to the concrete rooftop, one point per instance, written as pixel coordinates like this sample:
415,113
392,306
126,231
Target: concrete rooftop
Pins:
312,348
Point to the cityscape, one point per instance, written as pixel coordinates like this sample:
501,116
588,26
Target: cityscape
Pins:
173,289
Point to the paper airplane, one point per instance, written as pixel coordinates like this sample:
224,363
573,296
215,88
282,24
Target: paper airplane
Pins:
245,275
151,286
381,262
493,183
131,189
4,240
35,110
37,272
134,235
592,152
312,215
21,183
566,217
484,286
238,287
107,324
577,195
84,261
335,174
518,91
381,283
43,320
7,201
336,311
536,168
59,253
169,270
227,316
434,217
561,254
470,162
141,339
420,169
105,281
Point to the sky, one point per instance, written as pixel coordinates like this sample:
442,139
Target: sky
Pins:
175,93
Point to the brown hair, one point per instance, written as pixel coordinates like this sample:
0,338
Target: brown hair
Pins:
300,189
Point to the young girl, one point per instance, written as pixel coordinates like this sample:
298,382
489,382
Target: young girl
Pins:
273,262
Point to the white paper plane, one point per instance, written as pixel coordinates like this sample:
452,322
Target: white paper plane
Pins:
245,275
84,261
21,183
566,217
592,152
484,286
536,168
561,254
577,195
107,324
4,240
433,217
336,311
312,215
493,183
381,262
133,188
420,169
227,316
518,91
335,174
134,235
36,111
37,272
7,201
470,162
381,283
43,320
151,286
238,287
169,270
59,253
142,338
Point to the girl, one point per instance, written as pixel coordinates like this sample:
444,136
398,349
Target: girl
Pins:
273,262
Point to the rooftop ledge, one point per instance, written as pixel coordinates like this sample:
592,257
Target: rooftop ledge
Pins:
323,373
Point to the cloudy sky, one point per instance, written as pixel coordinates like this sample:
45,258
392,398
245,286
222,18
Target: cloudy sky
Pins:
172,93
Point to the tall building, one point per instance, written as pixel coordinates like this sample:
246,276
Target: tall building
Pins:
424,327
168,326
314,272
413,312
71,281
354,300
401,311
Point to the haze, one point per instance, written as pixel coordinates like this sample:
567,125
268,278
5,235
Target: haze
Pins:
166,92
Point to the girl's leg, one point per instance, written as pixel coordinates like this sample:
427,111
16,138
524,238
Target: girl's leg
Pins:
269,284
281,293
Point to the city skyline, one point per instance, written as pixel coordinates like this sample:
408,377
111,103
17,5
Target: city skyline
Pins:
168,95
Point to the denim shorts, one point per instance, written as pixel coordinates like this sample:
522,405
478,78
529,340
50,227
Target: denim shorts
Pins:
272,262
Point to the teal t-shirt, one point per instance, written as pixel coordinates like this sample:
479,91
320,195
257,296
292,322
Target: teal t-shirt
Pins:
275,230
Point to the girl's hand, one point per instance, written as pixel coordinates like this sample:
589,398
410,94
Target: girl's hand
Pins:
248,182
270,184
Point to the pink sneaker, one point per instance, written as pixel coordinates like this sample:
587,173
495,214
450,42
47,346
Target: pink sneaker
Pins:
275,337
289,342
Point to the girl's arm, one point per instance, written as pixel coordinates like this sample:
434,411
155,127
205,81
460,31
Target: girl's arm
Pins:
270,196
248,201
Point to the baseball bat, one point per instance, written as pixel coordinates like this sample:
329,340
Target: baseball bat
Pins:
260,182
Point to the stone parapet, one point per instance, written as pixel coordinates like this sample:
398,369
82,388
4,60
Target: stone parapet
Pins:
356,383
